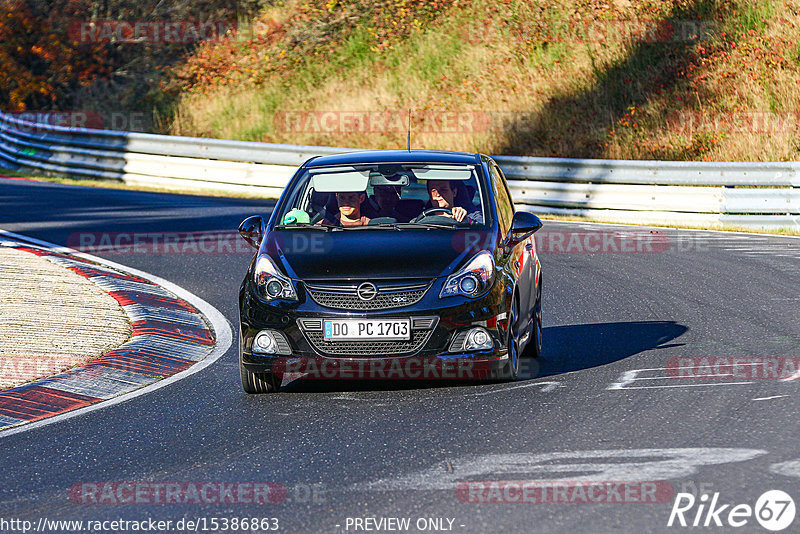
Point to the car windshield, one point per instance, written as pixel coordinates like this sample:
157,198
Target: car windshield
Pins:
386,196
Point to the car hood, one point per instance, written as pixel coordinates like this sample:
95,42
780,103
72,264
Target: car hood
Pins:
377,254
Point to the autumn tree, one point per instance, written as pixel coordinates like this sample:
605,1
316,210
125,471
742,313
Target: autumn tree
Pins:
45,64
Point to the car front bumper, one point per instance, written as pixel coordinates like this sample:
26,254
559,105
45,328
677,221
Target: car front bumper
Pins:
427,356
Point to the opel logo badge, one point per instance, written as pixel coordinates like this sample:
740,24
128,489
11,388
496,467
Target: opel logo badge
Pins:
367,291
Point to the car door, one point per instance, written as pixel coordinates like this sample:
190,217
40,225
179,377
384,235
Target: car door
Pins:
518,257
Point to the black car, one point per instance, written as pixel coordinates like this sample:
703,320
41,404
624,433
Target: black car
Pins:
391,264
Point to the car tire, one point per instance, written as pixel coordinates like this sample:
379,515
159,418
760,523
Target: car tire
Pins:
534,347
512,343
255,383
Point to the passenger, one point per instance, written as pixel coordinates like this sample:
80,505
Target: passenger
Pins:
349,210
442,194
387,198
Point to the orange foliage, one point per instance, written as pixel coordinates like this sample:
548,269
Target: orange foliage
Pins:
39,63
315,30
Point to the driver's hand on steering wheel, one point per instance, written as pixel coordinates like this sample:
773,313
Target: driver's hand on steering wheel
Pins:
459,213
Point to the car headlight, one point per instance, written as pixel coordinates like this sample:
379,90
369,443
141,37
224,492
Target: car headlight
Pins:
271,283
477,338
472,280
269,342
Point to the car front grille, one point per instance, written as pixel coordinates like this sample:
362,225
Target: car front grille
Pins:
369,348
421,330
345,297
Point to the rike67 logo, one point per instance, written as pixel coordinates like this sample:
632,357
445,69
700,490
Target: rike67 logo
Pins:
774,510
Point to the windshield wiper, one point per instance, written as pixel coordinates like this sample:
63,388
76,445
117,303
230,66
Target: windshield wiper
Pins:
407,226
448,226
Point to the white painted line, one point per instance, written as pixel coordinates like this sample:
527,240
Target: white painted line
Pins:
770,398
348,396
221,326
789,469
627,378
795,376
759,250
631,376
774,255
687,385
679,377
548,386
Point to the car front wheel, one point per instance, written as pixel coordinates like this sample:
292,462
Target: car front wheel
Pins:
253,383
533,349
257,382
513,341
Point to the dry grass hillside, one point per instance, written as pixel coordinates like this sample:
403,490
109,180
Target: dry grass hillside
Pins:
651,79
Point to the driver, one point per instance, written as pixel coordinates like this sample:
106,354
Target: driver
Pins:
349,210
442,195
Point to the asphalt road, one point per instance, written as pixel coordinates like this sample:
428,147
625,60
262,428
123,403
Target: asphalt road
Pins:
608,403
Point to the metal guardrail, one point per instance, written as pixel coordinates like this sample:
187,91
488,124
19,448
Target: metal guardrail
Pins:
763,195
158,160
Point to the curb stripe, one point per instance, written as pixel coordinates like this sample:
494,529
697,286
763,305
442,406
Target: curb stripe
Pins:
141,362
34,402
145,299
110,284
105,381
5,420
138,312
202,336
88,272
221,327
163,327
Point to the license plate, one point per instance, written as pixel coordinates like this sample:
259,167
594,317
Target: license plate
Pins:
358,329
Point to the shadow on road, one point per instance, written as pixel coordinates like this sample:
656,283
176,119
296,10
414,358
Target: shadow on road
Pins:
575,347
567,348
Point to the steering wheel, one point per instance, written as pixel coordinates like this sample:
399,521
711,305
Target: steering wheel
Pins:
432,211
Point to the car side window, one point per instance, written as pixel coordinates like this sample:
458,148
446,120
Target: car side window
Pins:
505,206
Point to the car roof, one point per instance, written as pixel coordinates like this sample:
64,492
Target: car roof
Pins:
395,156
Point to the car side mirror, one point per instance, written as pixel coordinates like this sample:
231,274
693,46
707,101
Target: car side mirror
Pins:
523,225
252,230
